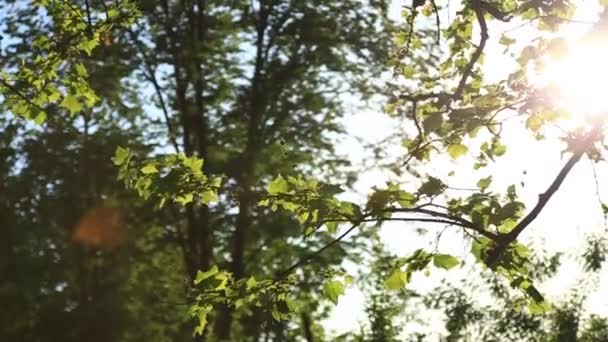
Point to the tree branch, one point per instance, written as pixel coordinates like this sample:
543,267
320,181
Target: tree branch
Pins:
477,8
151,76
314,254
451,218
437,21
504,240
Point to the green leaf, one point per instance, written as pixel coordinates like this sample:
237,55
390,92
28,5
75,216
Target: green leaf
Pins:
193,163
400,38
200,276
406,199
278,186
149,169
389,108
251,283
534,122
432,187
333,289
276,315
537,308
184,199
433,122
71,103
121,156
484,183
53,93
445,261
81,70
332,227
457,150
378,200
507,226
209,196
40,118
113,13
485,101
476,84
201,315
505,40
397,280
480,246
480,218
88,45
498,149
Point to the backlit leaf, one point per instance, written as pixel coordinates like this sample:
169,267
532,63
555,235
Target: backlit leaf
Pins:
397,280
445,261
200,276
484,183
457,150
278,186
333,289
71,103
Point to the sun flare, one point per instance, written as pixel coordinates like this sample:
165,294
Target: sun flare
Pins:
578,79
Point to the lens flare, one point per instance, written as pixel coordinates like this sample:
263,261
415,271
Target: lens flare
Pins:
101,227
578,80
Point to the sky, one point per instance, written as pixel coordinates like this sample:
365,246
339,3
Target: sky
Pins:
573,212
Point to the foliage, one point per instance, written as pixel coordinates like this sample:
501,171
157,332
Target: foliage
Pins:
250,96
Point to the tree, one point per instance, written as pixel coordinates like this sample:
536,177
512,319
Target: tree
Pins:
249,95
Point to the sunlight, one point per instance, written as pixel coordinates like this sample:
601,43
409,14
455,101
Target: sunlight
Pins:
578,79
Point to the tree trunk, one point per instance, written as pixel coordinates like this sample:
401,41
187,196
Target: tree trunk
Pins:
307,327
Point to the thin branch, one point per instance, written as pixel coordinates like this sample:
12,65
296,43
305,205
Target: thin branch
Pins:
437,21
20,94
476,4
314,254
50,119
495,12
455,219
461,189
419,147
438,238
506,239
415,118
401,53
398,219
151,76
597,194
88,10
445,219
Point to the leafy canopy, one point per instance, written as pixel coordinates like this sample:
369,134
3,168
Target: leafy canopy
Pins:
445,100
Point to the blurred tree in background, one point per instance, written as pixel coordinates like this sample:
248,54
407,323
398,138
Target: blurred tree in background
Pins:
164,162
254,88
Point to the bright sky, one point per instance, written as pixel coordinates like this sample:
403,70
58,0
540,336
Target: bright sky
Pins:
570,215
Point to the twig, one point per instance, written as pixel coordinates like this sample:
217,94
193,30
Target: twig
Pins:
597,193
50,119
314,254
455,219
151,76
437,21
506,239
476,4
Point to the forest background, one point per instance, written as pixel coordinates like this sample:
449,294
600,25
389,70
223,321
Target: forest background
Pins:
287,170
